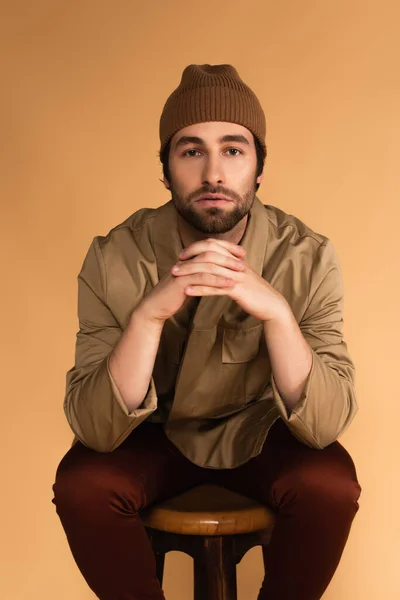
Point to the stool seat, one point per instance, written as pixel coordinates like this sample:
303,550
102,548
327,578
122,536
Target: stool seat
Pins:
213,525
208,510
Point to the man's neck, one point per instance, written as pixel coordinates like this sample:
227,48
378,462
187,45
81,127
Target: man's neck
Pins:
189,234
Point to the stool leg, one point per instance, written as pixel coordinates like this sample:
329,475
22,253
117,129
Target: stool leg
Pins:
156,540
160,559
215,569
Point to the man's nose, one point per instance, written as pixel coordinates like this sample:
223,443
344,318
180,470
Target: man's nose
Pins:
213,173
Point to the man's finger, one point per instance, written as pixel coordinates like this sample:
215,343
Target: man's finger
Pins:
190,267
229,245
224,260
201,290
205,279
212,245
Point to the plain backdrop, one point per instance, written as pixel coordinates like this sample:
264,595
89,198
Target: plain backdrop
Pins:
83,85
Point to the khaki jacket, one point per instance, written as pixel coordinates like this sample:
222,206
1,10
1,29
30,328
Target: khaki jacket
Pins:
212,385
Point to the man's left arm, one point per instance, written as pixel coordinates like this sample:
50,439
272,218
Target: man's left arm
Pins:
312,372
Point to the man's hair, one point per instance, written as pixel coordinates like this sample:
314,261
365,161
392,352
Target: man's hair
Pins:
164,158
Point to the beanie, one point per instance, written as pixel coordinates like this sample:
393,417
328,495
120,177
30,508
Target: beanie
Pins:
211,93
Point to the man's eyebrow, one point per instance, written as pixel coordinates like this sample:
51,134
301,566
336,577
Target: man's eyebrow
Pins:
192,139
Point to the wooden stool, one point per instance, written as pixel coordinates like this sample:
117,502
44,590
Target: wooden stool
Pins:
216,527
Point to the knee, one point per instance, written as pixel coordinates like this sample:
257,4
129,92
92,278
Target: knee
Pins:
91,483
338,489
324,486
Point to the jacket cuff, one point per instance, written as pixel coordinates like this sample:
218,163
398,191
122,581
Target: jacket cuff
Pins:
148,406
297,420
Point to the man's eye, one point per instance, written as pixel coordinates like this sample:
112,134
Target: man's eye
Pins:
234,150
187,152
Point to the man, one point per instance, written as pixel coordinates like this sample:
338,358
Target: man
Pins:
210,349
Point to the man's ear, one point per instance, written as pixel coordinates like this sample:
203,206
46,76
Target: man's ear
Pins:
260,177
165,181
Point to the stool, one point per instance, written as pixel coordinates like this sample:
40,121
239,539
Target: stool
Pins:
213,525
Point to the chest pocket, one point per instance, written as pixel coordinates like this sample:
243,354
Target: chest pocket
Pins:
241,345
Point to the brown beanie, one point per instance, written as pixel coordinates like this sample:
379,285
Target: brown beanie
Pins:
211,93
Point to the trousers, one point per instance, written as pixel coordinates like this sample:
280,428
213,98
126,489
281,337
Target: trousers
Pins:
98,498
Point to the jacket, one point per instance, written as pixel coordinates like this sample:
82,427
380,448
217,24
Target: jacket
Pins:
212,385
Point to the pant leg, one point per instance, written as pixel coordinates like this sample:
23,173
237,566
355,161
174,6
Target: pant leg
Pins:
314,494
98,496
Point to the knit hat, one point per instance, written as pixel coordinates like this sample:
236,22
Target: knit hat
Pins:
211,93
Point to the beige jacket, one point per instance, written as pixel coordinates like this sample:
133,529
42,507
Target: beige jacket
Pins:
212,385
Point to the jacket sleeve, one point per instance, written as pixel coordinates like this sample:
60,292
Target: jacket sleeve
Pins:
95,409
328,403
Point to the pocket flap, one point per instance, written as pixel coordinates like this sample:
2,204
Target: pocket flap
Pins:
241,345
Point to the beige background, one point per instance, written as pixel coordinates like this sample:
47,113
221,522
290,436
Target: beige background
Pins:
83,85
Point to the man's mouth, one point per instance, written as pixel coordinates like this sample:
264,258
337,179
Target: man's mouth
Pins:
213,200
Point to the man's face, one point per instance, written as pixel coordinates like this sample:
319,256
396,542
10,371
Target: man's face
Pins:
209,160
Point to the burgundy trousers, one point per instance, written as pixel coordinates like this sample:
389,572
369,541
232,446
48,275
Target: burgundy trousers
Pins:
98,497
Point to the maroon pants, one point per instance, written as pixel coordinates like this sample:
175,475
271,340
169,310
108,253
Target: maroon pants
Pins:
98,496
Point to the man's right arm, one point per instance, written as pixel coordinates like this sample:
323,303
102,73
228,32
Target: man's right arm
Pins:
101,410
131,363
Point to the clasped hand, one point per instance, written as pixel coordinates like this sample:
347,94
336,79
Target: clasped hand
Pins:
214,267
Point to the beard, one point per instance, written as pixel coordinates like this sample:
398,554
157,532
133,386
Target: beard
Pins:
213,220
